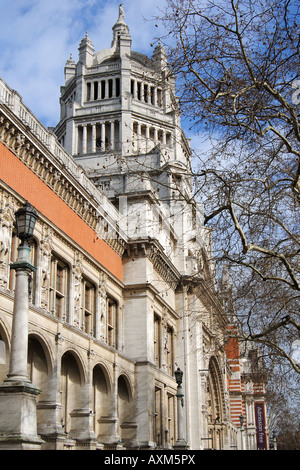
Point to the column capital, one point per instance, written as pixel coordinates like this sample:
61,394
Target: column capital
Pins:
23,266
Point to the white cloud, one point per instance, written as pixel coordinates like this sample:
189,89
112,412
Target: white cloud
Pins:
37,37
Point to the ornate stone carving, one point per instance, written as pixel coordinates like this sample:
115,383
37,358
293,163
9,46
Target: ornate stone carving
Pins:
45,262
6,225
77,276
102,303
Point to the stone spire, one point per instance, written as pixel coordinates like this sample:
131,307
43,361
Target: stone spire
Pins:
86,51
70,69
120,28
160,57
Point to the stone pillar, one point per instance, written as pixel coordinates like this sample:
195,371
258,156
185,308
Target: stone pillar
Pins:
82,418
18,424
155,96
155,136
94,138
49,410
138,136
19,346
147,139
164,137
84,139
134,89
103,136
75,141
112,135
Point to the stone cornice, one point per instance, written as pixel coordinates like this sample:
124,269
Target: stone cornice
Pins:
152,250
205,291
144,287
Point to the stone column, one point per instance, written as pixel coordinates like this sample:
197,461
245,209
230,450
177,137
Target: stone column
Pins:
103,136
112,135
155,96
147,139
94,138
155,136
84,139
138,136
164,140
19,346
75,141
18,423
49,410
82,418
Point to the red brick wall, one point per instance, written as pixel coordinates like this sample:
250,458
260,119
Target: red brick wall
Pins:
20,178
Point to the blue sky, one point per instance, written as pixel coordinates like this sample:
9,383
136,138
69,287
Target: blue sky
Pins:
37,37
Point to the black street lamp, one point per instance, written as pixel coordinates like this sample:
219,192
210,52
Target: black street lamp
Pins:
180,442
178,376
241,418
26,218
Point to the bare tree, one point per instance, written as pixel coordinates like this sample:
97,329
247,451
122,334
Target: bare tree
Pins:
237,64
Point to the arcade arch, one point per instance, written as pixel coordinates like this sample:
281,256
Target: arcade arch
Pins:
215,405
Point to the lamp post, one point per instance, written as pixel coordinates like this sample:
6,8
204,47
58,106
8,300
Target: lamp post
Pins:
241,418
180,442
25,222
18,424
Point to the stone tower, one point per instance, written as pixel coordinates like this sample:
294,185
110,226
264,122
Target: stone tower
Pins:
120,121
119,103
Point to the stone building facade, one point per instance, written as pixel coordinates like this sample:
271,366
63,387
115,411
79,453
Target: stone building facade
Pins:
124,290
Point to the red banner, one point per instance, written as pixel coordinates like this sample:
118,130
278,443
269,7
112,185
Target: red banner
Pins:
260,426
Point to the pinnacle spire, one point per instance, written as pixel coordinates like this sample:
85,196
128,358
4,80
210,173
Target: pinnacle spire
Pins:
120,28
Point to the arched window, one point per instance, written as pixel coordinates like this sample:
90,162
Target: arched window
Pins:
215,405
112,322
33,259
88,91
59,287
88,305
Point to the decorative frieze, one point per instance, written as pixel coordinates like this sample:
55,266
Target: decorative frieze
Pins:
7,210
45,260
160,262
